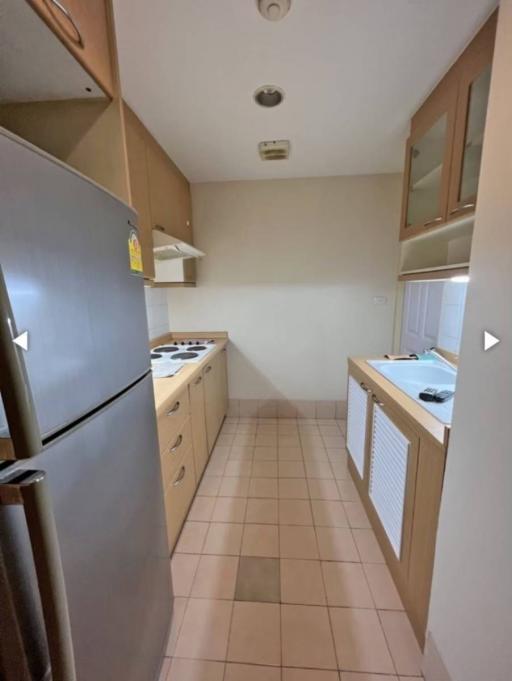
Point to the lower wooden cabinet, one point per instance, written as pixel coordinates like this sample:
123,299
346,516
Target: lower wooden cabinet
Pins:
188,427
198,420
178,496
398,471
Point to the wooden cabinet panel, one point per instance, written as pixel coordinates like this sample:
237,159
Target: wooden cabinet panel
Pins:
198,420
474,82
429,485
223,384
178,497
211,398
215,393
137,166
85,29
169,195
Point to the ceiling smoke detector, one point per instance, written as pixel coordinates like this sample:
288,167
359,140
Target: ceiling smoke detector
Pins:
275,150
274,10
268,96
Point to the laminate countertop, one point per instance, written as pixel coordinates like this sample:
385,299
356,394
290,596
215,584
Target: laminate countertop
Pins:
166,389
408,407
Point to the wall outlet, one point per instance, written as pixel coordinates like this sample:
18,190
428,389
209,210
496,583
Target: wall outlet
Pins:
380,300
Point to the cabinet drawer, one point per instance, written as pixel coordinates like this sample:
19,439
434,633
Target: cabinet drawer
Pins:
171,419
179,495
171,456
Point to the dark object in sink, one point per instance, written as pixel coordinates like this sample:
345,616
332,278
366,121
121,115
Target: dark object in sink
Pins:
185,355
428,395
444,396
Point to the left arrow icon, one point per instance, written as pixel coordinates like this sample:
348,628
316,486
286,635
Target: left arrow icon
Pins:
22,340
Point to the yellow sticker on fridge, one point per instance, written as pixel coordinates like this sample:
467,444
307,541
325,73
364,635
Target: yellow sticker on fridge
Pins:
135,252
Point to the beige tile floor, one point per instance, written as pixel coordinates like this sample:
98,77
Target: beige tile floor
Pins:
277,573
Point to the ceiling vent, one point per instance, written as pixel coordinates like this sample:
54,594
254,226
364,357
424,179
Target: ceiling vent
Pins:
274,10
276,150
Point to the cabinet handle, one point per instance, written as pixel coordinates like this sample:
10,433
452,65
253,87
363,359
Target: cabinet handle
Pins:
180,477
176,445
174,409
198,381
466,206
433,222
65,11
207,370
377,401
365,388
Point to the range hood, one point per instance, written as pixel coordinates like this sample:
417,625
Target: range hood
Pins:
166,247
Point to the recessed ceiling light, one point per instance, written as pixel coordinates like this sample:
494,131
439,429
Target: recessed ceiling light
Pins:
274,10
268,96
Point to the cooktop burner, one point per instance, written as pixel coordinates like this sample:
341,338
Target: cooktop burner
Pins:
155,355
195,348
185,355
167,348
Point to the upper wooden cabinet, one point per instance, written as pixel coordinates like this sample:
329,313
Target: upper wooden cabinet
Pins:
137,170
169,195
443,152
160,192
84,28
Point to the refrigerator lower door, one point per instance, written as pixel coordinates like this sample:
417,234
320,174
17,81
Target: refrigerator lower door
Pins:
105,483
66,252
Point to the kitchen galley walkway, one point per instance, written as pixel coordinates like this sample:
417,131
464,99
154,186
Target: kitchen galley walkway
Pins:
277,574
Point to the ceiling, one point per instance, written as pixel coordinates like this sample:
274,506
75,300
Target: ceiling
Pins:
353,73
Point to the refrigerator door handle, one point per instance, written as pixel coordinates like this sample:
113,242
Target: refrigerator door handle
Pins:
14,385
29,489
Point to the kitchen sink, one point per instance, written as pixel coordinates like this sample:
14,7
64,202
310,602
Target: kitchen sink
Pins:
413,376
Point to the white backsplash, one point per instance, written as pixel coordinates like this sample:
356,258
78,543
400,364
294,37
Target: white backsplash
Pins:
157,311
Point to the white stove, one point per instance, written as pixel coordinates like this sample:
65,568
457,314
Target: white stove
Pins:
167,360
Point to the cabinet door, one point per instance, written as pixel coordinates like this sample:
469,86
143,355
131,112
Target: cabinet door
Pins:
428,161
138,171
169,194
198,416
357,412
211,401
392,482
223,385
85,29
475,79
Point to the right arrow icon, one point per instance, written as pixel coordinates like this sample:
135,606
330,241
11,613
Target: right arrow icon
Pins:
490,341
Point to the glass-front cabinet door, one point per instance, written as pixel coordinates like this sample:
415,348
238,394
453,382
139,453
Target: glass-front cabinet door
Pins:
474,85
427,163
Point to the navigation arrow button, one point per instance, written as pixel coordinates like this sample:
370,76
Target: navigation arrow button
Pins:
490,341
22,340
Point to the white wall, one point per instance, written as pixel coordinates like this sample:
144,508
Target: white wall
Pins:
291,270
471,609
157,311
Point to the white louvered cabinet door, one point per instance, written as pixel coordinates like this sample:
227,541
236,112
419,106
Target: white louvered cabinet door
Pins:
393,462
357,411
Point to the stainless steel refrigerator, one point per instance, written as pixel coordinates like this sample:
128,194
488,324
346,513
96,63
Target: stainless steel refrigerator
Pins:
85,589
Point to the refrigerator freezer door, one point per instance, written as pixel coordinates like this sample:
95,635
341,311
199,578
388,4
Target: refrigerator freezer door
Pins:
104,479
65,256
